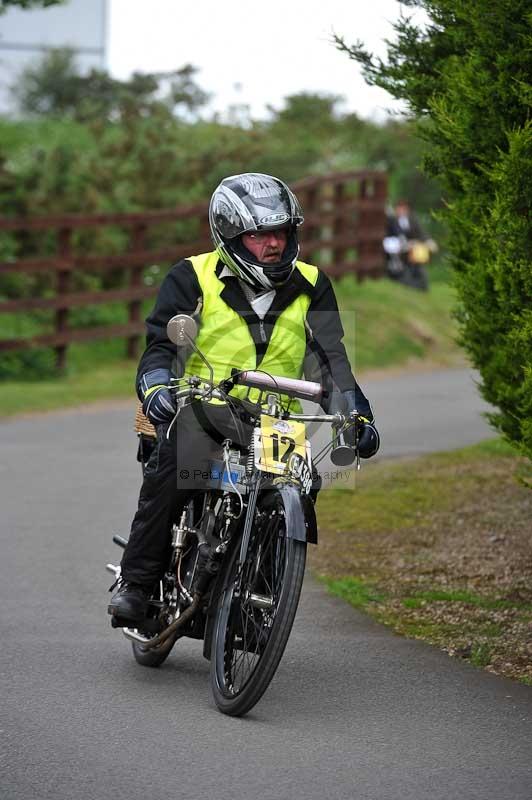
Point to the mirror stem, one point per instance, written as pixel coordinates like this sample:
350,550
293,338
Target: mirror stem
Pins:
198,351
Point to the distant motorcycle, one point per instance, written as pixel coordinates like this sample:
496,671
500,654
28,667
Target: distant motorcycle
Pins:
237,559
407,260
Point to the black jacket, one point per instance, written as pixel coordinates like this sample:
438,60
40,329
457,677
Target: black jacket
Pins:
326,360
412,231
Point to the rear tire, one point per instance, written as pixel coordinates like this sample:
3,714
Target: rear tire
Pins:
155,656
252,627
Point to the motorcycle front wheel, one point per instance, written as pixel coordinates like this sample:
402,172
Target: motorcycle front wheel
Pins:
256,610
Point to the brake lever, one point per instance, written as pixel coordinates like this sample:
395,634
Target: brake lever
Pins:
354,416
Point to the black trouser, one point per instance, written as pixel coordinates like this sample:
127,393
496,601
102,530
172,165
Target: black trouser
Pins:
177,468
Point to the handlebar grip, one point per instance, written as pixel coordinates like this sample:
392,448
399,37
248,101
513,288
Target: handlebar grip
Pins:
305,390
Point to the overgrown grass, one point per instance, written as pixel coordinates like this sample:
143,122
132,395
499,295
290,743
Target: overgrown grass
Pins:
387,324
438,548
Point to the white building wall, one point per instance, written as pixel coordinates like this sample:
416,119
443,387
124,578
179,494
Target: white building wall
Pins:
26,35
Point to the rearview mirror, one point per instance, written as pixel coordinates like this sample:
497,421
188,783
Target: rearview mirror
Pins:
181,330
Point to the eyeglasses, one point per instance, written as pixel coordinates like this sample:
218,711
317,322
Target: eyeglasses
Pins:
263,236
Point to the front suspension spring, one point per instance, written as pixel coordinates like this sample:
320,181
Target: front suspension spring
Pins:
250,461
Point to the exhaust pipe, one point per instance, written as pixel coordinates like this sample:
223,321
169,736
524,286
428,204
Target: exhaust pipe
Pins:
187,614
130,633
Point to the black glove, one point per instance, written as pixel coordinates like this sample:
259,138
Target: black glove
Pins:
368,436
368,440
158,404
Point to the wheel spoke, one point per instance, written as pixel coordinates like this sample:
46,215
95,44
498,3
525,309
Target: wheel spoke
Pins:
249,627
255,606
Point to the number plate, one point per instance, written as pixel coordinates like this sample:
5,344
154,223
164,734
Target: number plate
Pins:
276,441
299,469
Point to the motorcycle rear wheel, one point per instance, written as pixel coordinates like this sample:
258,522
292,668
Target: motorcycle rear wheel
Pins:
253,624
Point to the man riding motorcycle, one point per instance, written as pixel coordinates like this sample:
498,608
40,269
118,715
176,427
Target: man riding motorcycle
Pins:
258,307
407,247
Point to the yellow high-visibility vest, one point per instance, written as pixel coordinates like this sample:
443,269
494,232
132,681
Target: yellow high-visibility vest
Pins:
226,342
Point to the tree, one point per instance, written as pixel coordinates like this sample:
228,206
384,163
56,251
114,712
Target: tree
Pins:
466,75
53,86
27,4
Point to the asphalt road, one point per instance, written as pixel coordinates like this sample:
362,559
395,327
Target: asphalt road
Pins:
415,413
353,712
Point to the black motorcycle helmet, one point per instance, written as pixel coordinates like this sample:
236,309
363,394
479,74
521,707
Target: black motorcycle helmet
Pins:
254,202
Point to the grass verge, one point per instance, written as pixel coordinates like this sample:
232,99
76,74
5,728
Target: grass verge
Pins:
387,324
111,381
439,549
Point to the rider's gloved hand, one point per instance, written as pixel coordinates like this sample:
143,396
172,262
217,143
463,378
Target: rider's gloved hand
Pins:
158,404
368,439
368,436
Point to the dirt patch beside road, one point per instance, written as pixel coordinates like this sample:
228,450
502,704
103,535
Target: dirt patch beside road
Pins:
439,548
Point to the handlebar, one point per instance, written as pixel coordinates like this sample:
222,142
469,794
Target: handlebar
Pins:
306,390
342,454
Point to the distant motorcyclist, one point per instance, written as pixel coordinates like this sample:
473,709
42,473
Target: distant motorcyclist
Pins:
407,247
258,307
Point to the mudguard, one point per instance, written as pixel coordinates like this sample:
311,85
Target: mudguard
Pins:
299,513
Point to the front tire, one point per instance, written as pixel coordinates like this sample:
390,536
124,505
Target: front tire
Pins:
256,613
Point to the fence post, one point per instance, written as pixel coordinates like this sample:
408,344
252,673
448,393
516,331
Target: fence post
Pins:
309,205
205,228
339,228
380,193
63,286
137,243
371,225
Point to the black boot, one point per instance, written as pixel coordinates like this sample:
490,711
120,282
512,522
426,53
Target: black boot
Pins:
129,602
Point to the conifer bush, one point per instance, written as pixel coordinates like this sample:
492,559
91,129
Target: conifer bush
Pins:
465,69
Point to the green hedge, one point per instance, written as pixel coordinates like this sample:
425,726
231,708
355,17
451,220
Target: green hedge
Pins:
466,74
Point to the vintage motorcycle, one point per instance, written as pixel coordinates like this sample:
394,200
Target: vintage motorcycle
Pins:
238,552
407,260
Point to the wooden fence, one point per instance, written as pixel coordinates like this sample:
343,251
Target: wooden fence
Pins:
342,233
